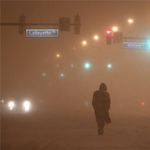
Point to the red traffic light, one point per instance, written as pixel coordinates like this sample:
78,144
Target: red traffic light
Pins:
108,32
108,36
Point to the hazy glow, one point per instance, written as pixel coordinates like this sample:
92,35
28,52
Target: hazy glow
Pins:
108,31
57,65
130,20
58,55
143,103
84,42
149,44
61,74
64,72
72,65
96,37
86,103
115,29
109,65
87,65
11,105
2,101
26,105
44,74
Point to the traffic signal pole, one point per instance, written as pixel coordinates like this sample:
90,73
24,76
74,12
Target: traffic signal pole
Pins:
64,24
118,37
135,38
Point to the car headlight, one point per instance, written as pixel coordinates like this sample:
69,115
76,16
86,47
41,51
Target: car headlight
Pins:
11,105
26,105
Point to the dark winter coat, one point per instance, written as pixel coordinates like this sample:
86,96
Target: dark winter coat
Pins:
101,101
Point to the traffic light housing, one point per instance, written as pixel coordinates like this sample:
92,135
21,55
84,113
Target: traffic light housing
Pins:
64,24
108,36
77,24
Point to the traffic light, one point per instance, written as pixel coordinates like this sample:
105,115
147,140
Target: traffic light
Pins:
87,65
64,24
77,24
108,36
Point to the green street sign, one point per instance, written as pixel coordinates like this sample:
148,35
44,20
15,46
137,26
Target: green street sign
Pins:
136,45
42,32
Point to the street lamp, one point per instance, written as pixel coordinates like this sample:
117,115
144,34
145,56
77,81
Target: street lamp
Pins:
58,55
130,21
96,37
84,42
115,28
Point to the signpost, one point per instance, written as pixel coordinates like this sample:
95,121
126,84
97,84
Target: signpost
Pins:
136,45
42,32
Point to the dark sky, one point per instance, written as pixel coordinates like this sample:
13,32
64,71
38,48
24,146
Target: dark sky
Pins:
25,60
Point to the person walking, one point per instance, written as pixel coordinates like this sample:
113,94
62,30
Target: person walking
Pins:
101,105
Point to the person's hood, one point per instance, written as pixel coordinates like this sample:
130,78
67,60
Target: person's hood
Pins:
103,87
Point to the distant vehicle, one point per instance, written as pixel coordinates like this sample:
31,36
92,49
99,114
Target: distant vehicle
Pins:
16,106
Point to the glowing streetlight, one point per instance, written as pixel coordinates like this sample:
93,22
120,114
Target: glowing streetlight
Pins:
130,21
115,28
96,37
58,55
84,42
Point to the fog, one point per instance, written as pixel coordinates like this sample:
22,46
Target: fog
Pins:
62,105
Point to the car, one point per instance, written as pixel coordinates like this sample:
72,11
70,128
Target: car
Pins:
16,106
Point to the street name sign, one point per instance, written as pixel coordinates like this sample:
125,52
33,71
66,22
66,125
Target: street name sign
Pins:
136,45
42,32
